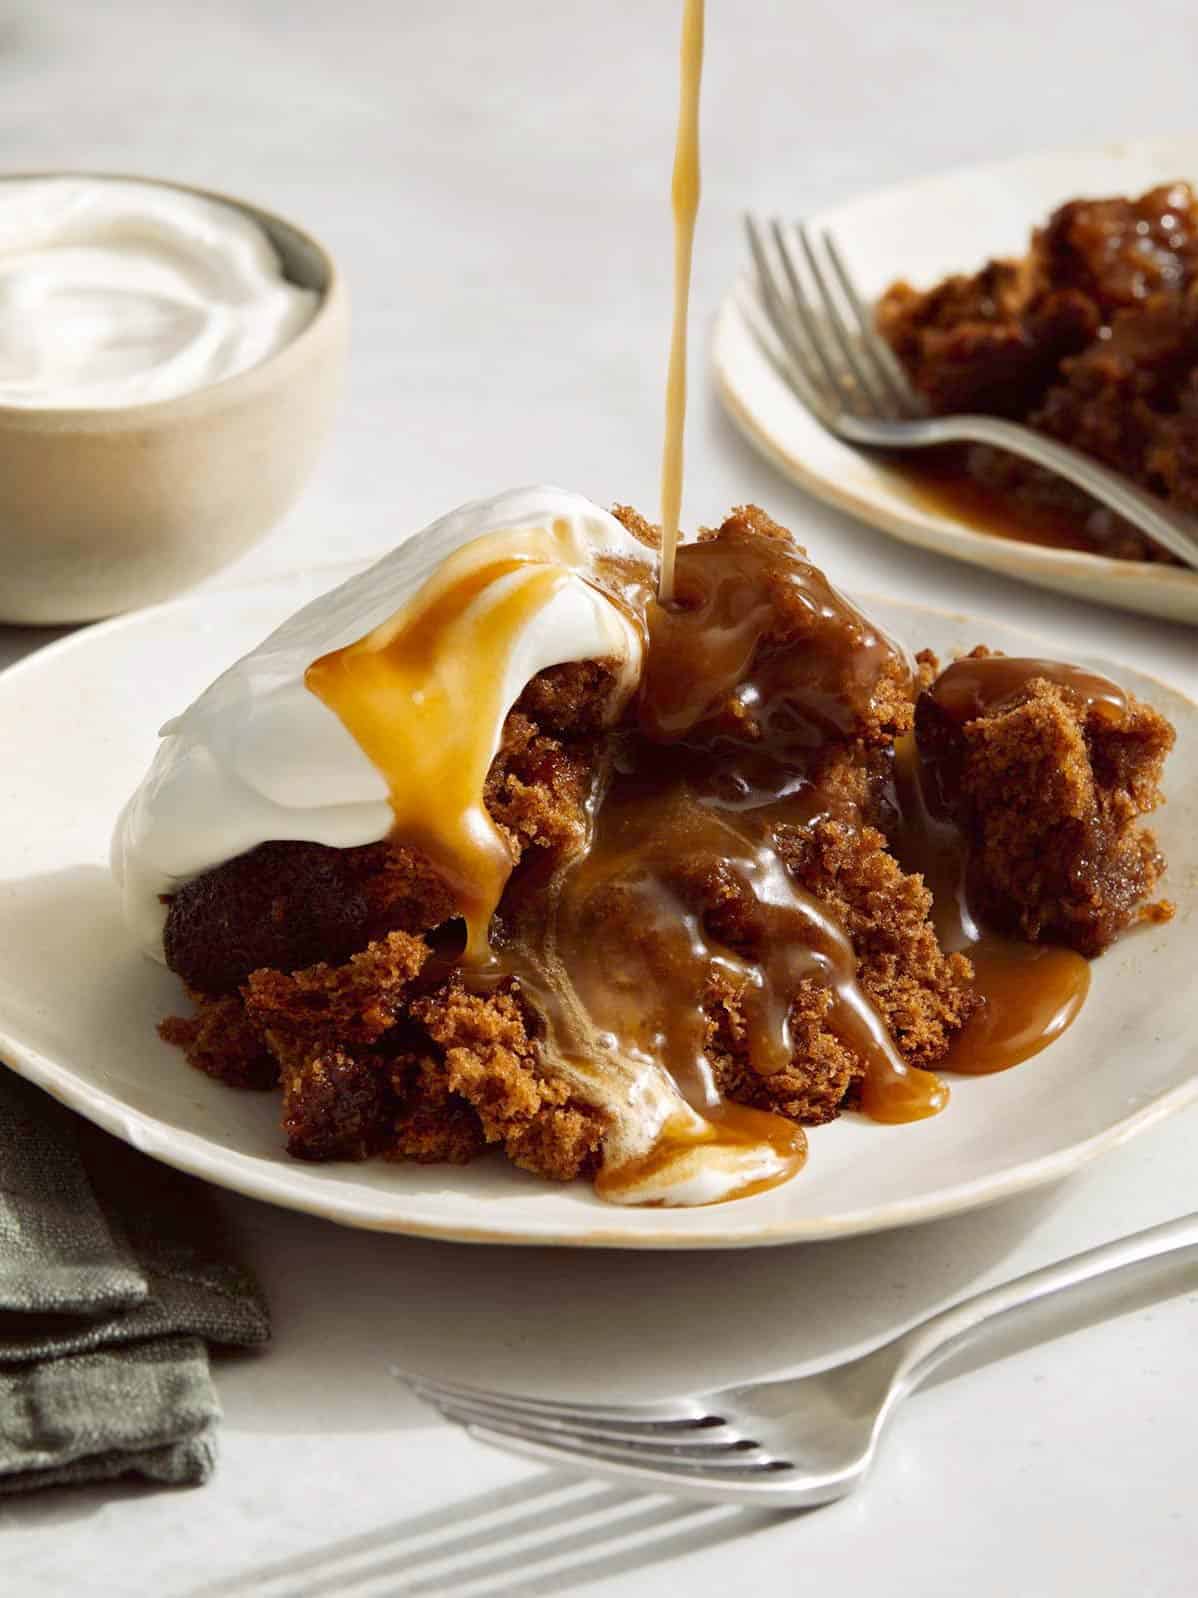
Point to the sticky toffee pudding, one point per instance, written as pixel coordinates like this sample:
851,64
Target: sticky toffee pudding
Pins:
792,872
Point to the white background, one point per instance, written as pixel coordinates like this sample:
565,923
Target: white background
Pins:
493,180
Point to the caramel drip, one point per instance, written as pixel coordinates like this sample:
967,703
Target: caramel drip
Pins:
927,842
1030,993
969,687
677,926
423,697
684,195
614,962
676,906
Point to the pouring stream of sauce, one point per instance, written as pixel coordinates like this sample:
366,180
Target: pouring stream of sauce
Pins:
684,196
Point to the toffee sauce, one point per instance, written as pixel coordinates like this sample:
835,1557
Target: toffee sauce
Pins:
1029,993
684,202
940,481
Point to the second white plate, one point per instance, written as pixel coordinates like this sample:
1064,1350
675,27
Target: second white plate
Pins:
922,231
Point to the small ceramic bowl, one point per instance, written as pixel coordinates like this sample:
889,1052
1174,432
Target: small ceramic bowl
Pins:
103,510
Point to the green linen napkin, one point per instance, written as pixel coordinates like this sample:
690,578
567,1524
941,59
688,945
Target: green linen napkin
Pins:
115,1277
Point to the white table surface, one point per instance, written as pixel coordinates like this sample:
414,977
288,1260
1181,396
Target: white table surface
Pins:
493,180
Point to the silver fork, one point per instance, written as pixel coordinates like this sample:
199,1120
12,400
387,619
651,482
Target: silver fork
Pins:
819,334
782,1444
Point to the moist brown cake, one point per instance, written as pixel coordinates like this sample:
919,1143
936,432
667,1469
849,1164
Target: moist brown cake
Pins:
922,994
1091,337
331,973
1050,791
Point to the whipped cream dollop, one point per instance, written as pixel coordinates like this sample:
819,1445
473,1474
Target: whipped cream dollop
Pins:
115,292
259,757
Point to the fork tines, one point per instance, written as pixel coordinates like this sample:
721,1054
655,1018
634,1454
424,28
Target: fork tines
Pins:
680,1437
823,330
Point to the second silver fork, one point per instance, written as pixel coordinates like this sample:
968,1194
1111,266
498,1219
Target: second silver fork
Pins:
818,332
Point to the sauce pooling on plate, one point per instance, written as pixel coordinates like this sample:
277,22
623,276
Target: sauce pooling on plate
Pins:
1029,993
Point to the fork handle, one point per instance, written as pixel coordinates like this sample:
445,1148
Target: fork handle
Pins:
931,1342
1134,504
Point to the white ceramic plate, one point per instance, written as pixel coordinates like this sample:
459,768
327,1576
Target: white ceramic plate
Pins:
79,1003
922,231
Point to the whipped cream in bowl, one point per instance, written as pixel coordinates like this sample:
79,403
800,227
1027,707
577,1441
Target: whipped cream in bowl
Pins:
118,292
170,362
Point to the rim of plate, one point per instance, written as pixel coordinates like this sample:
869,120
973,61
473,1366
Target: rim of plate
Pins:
927,529
299,1190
